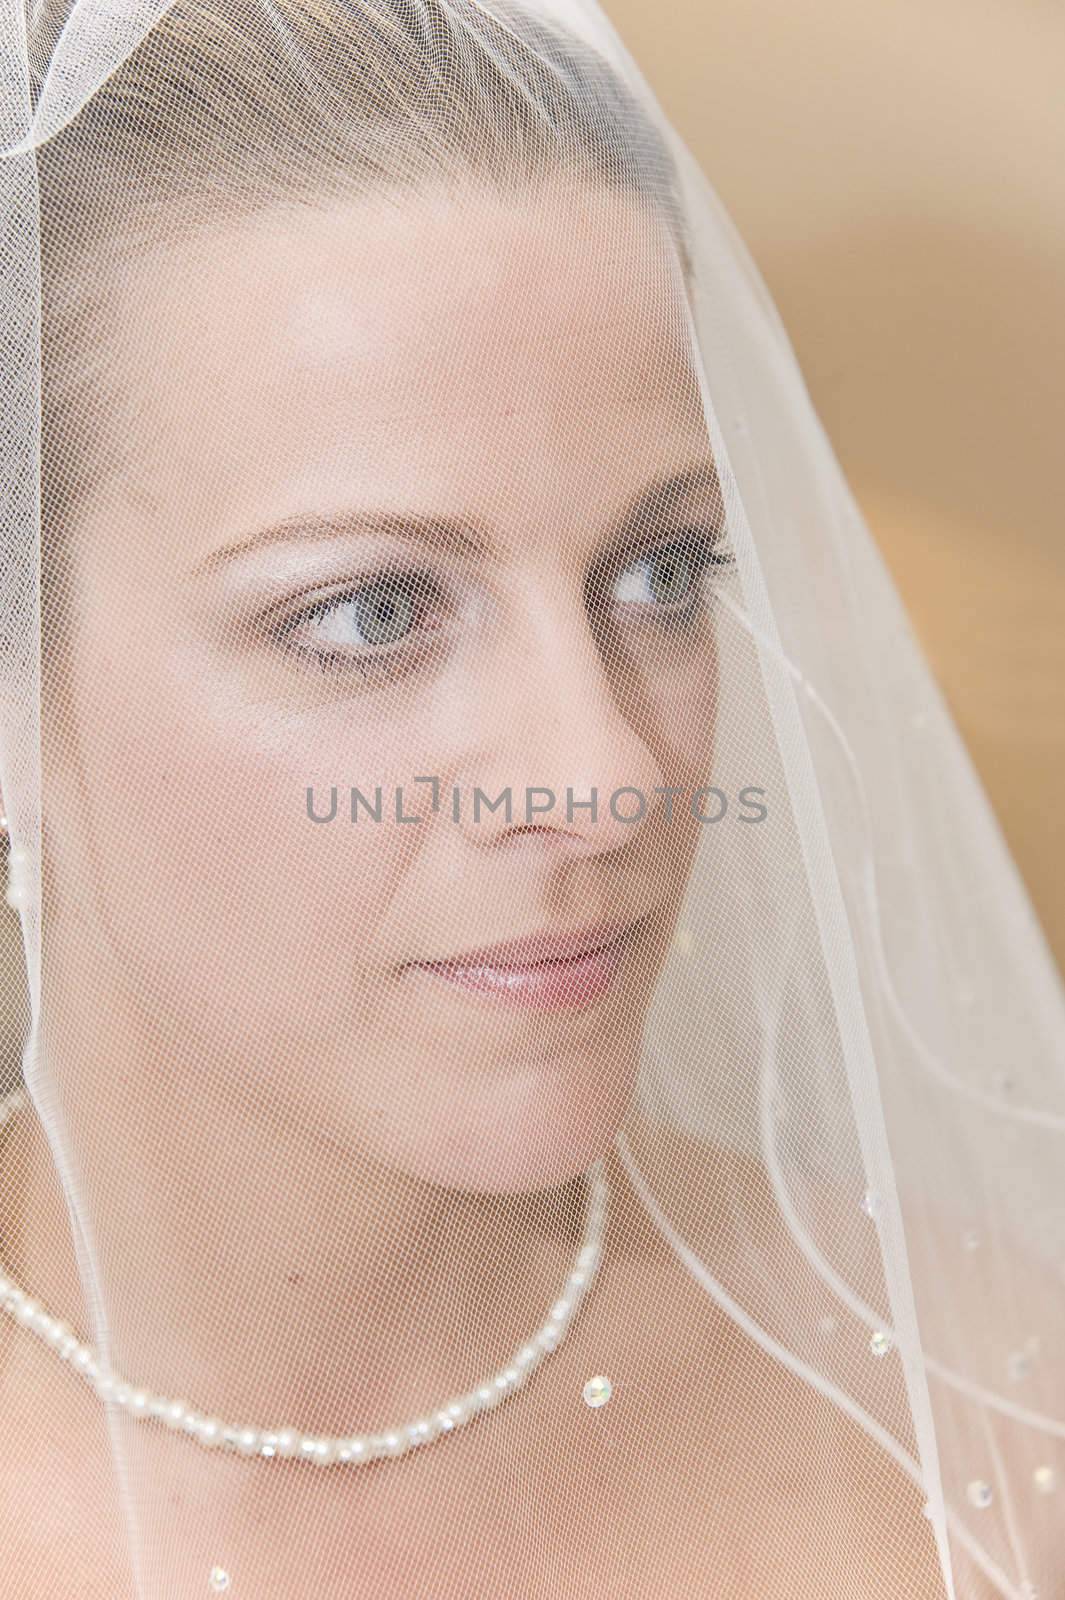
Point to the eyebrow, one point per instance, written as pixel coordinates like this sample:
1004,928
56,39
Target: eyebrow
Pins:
457,534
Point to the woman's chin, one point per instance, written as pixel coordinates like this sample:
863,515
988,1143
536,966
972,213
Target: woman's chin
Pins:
536,1128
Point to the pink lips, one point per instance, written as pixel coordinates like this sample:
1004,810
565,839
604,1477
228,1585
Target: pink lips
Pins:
547,971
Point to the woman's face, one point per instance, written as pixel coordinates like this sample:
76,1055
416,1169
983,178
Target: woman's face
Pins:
403,504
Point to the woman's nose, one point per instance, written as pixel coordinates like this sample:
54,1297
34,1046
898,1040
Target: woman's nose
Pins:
558,754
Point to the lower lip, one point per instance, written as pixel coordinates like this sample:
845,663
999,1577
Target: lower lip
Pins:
548,986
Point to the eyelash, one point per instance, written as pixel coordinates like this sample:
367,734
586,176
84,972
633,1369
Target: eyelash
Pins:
700,545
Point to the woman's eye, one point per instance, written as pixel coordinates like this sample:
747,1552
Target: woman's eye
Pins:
369,627
668,580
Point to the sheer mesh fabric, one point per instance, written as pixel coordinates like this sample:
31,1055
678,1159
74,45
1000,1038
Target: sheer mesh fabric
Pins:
530,1070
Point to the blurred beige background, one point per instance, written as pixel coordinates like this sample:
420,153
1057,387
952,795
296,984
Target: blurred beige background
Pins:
895,167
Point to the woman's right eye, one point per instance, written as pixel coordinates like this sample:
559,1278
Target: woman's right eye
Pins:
369,627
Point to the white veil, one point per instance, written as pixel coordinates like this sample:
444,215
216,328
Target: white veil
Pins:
727,1259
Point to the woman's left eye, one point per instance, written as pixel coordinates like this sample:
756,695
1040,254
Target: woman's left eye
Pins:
667,580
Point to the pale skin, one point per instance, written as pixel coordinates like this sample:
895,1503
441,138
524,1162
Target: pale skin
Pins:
364,1135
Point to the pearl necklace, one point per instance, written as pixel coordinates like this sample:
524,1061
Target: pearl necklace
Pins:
286,1442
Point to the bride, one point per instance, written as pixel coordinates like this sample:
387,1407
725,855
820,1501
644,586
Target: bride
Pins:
510,1105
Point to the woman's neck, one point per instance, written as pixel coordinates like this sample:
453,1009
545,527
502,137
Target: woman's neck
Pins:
269,1275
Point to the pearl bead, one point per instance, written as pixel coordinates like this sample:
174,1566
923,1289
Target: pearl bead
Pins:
1045,1479
597,1390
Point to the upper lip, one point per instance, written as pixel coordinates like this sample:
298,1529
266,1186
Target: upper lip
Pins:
535,948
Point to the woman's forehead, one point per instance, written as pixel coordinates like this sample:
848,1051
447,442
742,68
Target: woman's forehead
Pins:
419,300
478,355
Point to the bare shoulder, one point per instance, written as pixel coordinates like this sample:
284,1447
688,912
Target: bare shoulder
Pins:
786,1461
